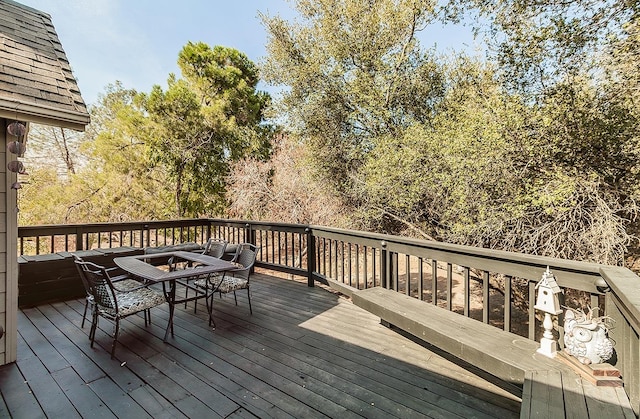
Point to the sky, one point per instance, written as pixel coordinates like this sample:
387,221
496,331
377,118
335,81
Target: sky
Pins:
137,41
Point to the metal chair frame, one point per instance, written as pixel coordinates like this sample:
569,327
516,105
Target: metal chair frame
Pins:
123,281
214,247
231,280
115,303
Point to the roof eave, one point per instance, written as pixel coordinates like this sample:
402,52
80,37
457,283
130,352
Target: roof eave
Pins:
43,114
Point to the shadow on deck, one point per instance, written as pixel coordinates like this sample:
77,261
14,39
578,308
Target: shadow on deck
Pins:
305,352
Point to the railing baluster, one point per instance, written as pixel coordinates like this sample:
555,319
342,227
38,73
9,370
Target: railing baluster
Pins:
485,297
358,266
407,268
507,303
323,262
273,247
449,286
374,266
349,264
467,290
342,257
420,278
434,282
531,311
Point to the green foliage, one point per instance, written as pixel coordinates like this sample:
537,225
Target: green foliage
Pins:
115,180
354,72
492,171
534,150
166,153
538,44
202,122
450,177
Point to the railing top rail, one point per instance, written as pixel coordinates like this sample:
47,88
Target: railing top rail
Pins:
624,284
498,255
265,225
27,231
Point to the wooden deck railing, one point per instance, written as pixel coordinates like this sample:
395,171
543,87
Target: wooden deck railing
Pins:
493,287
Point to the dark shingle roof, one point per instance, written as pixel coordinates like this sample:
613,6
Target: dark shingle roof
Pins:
36,82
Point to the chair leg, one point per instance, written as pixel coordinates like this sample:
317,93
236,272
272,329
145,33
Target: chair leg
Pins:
209,302
249,298
186,295
94,326
115,338
195,306
84,315
146,317
235,297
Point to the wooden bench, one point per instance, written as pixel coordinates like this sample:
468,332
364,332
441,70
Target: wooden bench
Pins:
550,387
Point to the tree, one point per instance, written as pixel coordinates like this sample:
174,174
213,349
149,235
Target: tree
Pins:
54,147
354,72
486,153
488,172
282,189
537,44
115,183
212,116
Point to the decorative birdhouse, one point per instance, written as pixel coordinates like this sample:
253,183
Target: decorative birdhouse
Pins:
548,289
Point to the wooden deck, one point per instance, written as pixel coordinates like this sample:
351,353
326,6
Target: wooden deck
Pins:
304,353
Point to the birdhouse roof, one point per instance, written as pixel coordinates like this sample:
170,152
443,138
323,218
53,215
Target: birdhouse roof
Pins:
549,281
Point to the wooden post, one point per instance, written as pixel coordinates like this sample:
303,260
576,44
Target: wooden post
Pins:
311,257
384,265
148,237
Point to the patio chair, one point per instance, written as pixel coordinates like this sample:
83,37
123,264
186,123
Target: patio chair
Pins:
214,247
114,302
123,281
231,281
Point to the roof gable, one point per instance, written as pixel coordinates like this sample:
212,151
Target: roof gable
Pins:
36,81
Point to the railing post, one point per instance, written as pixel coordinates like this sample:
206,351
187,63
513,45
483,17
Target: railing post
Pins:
147,231
249,234
311,257
78,239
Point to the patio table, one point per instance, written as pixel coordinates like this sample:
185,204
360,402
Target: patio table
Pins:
139,266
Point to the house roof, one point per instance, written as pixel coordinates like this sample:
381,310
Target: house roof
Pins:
36,82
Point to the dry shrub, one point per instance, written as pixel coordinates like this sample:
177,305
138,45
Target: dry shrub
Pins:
282,189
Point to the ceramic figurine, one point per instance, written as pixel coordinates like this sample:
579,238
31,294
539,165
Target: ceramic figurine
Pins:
585,337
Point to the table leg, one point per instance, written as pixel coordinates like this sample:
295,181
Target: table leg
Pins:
171,298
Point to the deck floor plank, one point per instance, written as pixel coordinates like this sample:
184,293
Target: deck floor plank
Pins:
128,382
305,352
17,397
330,361
281,361
84,400
261,367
